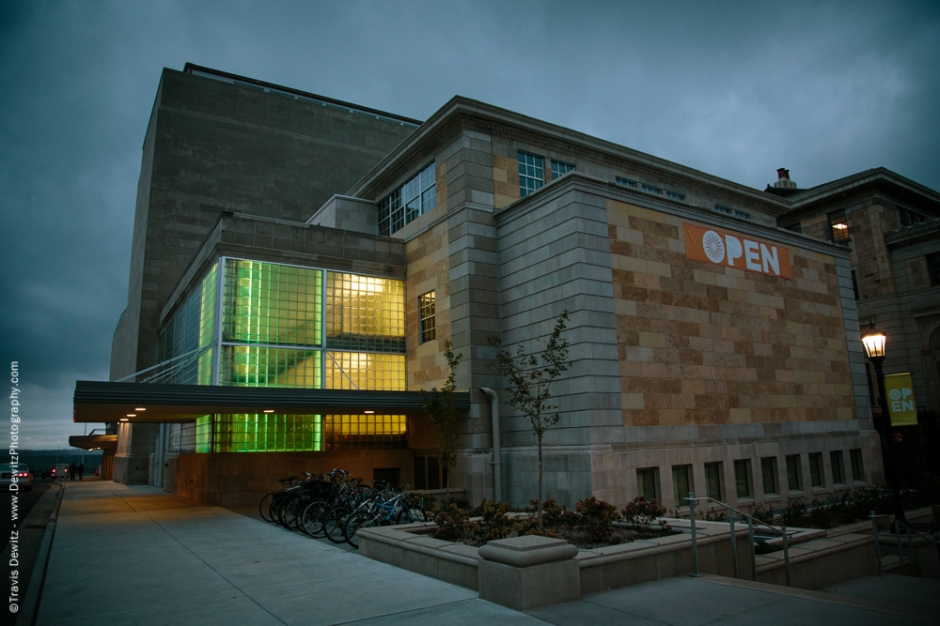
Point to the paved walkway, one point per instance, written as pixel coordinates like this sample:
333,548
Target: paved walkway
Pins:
134,555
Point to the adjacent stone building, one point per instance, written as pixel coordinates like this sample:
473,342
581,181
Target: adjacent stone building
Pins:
298,300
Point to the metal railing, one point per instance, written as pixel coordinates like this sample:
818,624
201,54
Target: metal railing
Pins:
751,521
896,524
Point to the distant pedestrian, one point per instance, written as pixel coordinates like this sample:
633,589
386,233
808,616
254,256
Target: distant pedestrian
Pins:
81,470
72,471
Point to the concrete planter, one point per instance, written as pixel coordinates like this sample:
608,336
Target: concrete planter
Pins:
598,569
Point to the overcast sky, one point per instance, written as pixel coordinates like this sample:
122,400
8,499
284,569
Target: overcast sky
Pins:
735,89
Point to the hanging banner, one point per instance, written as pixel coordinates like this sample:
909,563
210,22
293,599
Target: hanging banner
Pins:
721,248
901,405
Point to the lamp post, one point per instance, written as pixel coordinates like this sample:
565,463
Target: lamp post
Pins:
875,343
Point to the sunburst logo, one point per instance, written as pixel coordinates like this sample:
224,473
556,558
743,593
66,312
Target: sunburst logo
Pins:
714,247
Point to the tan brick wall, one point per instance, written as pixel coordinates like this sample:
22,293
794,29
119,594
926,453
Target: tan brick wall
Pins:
427,257
505,180
705,344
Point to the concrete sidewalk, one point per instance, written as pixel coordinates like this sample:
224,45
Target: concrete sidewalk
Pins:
135,555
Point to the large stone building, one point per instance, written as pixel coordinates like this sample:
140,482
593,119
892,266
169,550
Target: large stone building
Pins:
298,264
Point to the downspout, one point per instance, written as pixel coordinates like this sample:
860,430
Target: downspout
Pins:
497,449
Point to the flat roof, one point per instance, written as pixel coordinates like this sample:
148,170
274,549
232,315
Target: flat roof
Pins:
108,402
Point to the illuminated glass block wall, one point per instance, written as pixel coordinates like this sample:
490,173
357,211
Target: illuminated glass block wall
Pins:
191,331
287,326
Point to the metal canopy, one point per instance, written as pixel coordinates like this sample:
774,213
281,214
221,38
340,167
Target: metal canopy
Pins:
153,403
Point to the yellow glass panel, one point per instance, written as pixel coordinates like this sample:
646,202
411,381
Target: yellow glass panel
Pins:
363,370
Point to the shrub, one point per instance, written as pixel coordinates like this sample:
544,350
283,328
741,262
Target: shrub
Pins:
642,512
452,523
820,516
794,514
494,523
596,517
764,513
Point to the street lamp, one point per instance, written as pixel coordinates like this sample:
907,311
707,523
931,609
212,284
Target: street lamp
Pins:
875,343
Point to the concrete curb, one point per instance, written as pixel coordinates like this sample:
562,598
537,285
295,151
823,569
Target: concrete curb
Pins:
28,611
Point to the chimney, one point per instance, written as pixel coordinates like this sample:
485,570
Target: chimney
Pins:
783,179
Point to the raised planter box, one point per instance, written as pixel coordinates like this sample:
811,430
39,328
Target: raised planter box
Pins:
600,569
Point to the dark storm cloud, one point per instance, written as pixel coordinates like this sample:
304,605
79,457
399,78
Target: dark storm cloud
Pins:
733,89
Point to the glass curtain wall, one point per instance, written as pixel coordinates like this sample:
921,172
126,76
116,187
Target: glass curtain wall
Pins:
287,326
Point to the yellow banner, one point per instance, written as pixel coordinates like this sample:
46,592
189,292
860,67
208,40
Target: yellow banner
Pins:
901,405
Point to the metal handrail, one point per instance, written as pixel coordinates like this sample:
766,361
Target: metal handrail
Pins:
782,531
896,525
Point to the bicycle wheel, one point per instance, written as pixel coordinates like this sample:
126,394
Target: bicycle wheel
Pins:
264,507
311,520
407,515
361,519
289,512
333,523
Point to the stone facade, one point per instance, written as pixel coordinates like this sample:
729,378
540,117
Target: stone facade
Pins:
679,368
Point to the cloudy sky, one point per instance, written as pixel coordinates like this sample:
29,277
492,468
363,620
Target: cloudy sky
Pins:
736,89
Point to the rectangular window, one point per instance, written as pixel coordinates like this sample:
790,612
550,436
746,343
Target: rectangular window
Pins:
742,214
626,182
713,480
426,315
909,217
413,199
768,470
681,484
723,209
364,313
651,189
838,467
933,268
858,469
647,483
559,169
855,284
742,478
816,474
793,472
838,226
672,195
531,173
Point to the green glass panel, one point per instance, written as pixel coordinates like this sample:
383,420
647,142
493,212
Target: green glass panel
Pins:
272,304
203,433
208,307
267,432
250,366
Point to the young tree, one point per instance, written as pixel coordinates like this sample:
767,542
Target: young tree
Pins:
439,405
529,379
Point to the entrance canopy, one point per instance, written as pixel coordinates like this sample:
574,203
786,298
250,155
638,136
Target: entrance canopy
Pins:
152,403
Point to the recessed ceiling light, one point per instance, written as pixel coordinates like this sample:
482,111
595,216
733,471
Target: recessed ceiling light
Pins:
132,415
124,419
140,409
369,412
269,410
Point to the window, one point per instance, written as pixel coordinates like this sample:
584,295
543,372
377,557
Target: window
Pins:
647,483
672,195
838,226
768,470
626,182
793,472
531,173
651,189
909,217
858,469
724,209
426,314
429,474
742,478
933,268
744,215
838,467
681,484
713,480
559,169
855,284
817,478
413,199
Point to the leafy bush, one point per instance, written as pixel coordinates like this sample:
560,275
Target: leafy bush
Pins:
794,515
764,513
494,523
596,517
820,516
642,512
452,522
